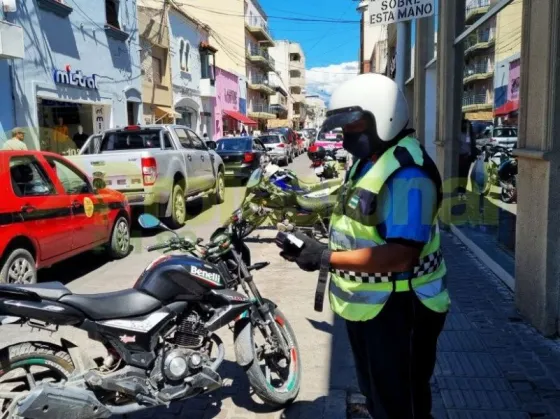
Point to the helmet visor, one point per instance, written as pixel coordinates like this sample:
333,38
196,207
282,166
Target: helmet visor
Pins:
341,119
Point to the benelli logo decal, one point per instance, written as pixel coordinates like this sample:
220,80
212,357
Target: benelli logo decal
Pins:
127,339
209,276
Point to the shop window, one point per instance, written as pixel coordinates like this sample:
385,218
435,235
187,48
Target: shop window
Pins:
112,13
71,179
29,177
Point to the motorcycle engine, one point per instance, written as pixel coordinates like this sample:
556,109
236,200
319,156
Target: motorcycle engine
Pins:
180,363
190,332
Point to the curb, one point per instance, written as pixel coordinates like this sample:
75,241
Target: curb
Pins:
481,255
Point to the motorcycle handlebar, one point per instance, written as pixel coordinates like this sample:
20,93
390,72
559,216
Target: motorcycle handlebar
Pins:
157,247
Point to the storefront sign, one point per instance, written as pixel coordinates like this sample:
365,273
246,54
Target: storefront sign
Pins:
99,119
231,96
514,75
75,78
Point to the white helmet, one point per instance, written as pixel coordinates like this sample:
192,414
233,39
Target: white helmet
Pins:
373,94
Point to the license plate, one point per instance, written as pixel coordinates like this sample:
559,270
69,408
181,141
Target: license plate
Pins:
229,172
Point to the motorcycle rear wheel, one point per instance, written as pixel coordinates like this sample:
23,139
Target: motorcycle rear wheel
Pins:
43,355
283,391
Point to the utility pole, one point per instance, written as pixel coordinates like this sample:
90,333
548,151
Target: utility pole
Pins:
401,51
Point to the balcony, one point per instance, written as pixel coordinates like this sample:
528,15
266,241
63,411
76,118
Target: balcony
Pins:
261,84
475,9
260,57
477,102
479,41
259,29
207,88
261,111
11,41
279,109
478,71
298,97
297,81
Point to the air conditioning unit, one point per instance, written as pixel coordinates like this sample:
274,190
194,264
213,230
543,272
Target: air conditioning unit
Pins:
11,40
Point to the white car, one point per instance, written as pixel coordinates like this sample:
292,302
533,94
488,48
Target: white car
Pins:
306,139
502,136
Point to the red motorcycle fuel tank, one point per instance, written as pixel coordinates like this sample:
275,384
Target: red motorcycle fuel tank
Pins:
178,277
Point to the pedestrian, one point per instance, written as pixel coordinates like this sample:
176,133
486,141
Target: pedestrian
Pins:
467,155
17,142
387,274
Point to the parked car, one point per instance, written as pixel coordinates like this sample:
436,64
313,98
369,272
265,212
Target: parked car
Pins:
289,134
241,155
502,136
306,139
311,134
51,211
158,167
300,144
278,148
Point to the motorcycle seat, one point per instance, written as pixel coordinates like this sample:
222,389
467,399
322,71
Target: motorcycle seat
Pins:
52,291
112,305
316,204
321,185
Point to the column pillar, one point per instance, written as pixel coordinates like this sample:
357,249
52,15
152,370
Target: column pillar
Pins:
449,94
537,264
423,51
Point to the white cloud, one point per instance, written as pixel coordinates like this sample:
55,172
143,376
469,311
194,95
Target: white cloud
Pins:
323,80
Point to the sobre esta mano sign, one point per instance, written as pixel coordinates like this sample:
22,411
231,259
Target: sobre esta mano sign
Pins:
384,12
75,78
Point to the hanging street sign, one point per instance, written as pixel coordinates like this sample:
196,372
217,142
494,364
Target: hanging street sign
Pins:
384,12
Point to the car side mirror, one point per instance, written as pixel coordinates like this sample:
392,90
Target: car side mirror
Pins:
211,145
99,183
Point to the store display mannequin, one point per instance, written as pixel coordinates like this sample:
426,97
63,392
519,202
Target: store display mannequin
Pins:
61,131
80,137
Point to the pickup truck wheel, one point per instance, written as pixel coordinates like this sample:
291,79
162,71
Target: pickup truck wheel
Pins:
119,246
178,207
18,268
220,193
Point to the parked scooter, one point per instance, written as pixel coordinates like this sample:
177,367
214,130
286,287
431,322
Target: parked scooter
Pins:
501,170
324,164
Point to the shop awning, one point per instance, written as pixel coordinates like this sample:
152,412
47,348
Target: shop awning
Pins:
240,117
163,111
507,108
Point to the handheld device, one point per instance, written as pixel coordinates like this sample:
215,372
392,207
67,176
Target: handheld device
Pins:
288,241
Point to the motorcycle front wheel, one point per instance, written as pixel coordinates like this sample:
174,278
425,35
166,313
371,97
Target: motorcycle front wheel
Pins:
275,378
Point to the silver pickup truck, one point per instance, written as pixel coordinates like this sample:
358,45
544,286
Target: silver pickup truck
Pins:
160,167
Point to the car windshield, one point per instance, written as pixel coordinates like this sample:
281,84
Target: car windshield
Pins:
130,140
270,139
234,144
505,132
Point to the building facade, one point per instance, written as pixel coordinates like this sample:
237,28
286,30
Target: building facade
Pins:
81,69
226,105
316,111
297,83
278,101
281,55
192,69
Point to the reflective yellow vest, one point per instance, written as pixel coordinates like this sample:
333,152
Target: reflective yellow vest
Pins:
360,296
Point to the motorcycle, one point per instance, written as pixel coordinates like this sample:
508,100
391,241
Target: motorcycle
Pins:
501,170
311,215
160,335
323,162
288,181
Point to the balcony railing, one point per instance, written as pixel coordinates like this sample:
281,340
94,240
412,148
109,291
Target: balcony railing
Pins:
254,51
475,8
481,37
259,29
261,83
477,99
478,68
257,22
261,108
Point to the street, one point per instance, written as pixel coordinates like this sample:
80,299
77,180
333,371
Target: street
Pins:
285,284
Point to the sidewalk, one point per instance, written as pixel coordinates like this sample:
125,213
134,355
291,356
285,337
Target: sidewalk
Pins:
491,364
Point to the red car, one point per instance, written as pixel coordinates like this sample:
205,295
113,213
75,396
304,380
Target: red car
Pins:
300,144
50,211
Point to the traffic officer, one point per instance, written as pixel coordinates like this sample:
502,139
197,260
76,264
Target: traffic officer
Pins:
387,273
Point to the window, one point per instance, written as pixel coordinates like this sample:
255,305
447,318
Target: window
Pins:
187,52
133,140
206,70
157,70
73,181
29,177
112,13
258,146
181,55
184,138
196,141
168,145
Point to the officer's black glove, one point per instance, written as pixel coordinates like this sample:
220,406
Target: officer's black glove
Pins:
309,257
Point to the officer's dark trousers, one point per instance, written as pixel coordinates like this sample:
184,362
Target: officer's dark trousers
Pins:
395,355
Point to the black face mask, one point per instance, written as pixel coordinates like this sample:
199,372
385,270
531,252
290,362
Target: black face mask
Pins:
359,145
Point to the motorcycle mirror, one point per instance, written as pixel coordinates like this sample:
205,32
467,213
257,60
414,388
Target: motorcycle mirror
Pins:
148,221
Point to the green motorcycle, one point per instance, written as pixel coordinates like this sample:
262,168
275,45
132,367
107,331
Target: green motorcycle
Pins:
265,202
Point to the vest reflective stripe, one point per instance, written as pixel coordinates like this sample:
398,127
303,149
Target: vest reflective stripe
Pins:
346,241
358,296
425,291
